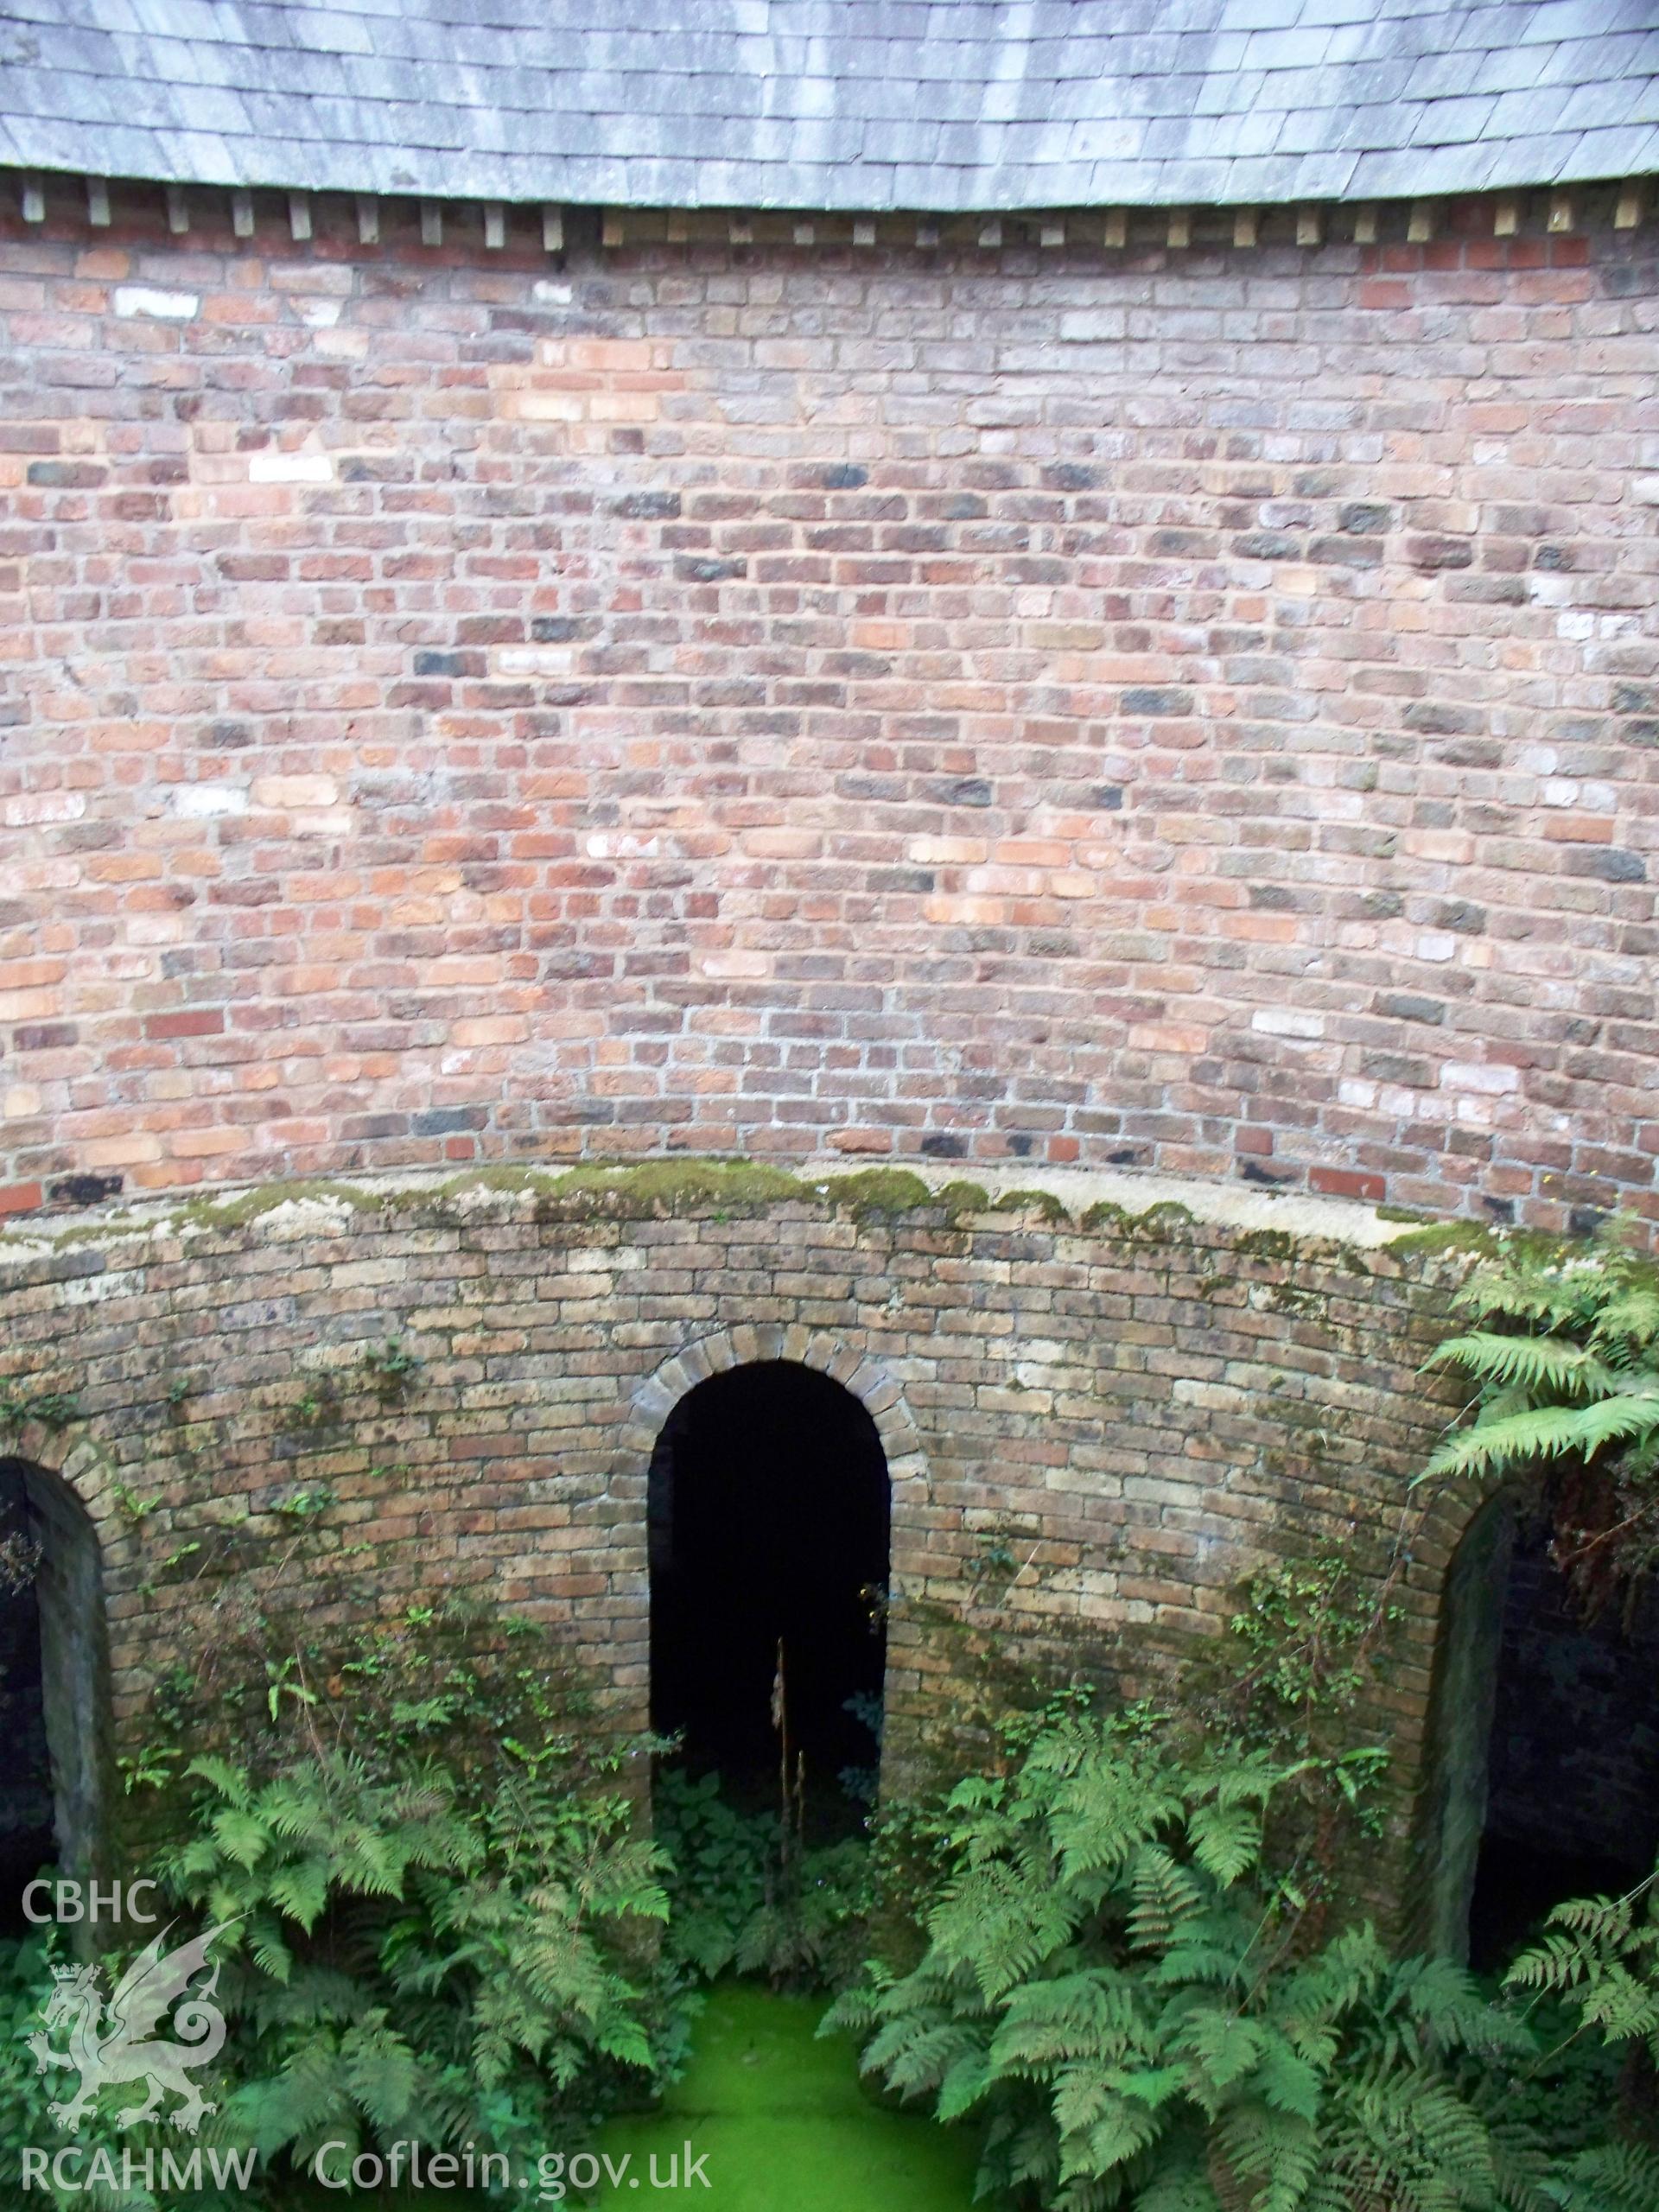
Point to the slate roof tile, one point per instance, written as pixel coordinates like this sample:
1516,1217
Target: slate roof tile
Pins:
1326,176
1627,151
1582,60
1244,91
1507,69
1583,106
849,104
1453,122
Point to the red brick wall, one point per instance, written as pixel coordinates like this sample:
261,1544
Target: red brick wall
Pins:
1184,707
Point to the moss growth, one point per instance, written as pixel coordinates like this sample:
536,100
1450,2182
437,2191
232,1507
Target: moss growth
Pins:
52,1409
1286,1298
248,1205
65,1240
1162,1220
877,1192
1042,1203
1471,1236
1269,1244
1107,1218
667,1187
959,1198
623,1190
523,1175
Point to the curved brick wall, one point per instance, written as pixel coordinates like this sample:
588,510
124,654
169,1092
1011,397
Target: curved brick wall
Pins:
1190,708
1140,1410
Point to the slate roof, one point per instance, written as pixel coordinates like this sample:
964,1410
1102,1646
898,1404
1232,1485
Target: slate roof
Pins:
853,105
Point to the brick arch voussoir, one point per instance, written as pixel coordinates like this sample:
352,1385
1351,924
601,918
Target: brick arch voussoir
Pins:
85,1470
749,1342
1447,1517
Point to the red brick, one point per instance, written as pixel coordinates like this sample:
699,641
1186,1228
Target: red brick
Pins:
1344,1183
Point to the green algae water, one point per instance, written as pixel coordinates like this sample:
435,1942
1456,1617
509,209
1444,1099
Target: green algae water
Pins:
780,2123
776,2119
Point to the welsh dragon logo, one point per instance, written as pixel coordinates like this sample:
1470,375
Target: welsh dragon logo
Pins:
112,2042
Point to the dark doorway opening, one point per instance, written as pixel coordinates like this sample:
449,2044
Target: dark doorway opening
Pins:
769,1526
1572,1772
1548,1740
54,1685
27,1838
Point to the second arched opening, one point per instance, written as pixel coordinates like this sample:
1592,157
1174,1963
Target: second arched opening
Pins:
1545,1773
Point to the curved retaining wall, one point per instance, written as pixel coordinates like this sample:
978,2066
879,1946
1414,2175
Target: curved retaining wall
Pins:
1140,1408
1188,706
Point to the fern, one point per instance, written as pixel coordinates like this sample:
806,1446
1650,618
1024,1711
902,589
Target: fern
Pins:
1565,1360
1617,2178
426,1947
1600,1957
1114,1987
1532,1364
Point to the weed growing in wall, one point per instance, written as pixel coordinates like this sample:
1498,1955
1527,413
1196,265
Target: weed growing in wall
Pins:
392,1368
52,1409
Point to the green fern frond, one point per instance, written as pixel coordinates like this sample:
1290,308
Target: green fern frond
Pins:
1613,2177
1630,1319
231,1783
1073,2016
1099,2127
1226,1840
1284,2080
381,2072
1275,2154
1534,1363
999,1923
1548,1433
1103,1812
1166,1902
1223,2046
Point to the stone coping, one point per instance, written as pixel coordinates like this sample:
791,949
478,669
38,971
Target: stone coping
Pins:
286,1209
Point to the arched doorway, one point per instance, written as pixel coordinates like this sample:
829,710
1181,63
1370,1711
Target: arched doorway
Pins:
1546,1740
53,1682
769,1513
